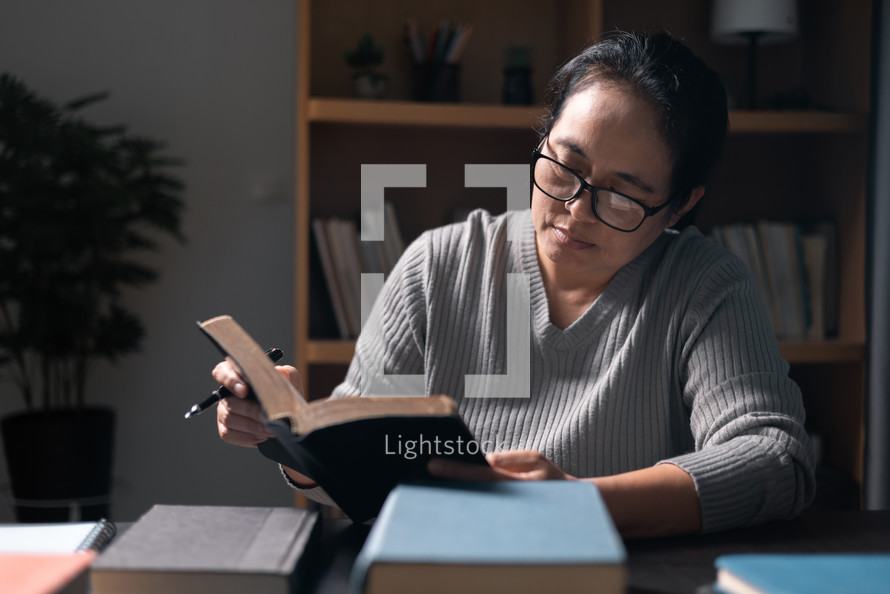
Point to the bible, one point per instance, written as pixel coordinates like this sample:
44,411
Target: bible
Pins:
356,448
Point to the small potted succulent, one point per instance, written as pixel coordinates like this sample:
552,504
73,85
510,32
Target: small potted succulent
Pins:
364,60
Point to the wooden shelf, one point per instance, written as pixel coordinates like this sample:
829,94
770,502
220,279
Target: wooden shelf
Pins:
828,351
411,113
781,165
479,115
796,121
339,352
330,352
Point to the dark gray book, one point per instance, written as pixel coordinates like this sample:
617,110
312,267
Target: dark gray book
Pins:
187,549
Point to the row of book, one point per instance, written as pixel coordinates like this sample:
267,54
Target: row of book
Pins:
507,536
795,268
344,257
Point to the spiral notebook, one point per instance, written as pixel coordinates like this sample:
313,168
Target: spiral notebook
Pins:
69,537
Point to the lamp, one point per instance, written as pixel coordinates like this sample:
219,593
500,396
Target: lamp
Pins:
753,22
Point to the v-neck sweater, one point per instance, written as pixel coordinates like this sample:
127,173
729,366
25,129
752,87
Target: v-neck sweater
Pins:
675,362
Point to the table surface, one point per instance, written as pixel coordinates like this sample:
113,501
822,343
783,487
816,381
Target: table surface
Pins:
664,565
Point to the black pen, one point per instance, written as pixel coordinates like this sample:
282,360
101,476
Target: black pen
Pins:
223,392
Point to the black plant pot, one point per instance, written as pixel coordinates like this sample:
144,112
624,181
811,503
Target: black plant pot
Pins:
57,460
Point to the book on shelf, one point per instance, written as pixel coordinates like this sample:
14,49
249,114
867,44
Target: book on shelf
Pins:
821,236
344,257
335,291
794,267
348,273
805,573
509,536
356,448
785,275
182,549
50,558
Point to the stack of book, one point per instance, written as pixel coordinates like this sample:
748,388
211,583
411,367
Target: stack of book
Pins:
795,269
344,257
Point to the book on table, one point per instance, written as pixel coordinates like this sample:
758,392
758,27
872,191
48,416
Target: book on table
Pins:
509,536
804,573
182,549
356,448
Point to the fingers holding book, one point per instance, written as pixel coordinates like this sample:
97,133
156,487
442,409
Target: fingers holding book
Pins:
228,376
240,422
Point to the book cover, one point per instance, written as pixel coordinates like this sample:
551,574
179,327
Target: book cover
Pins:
812,573
336,293
357,449
348,277
180,549
510,536
49,573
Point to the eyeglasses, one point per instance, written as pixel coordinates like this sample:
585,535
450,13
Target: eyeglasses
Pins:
616,210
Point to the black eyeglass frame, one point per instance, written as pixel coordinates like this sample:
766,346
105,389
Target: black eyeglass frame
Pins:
648,211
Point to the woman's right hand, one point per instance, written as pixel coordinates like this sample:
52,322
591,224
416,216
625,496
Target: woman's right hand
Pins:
240,421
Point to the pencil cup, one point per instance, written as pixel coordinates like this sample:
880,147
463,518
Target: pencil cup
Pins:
437,82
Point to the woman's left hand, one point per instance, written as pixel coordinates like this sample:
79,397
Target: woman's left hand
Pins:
522,465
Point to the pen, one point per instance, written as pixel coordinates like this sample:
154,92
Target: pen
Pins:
223,392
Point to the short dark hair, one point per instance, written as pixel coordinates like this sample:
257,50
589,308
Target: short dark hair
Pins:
687,94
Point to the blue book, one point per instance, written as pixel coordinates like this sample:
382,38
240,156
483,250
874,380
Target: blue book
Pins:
812,573
514,536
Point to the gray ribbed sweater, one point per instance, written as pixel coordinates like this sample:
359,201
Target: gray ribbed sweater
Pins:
674,362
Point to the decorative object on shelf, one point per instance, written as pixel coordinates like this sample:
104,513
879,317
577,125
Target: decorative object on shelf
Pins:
364,60
754,23
79,201
437,82
517,77
437,71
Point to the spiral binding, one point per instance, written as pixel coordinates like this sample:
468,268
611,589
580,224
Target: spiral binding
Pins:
99,536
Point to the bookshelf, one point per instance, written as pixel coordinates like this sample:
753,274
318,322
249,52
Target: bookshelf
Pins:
778,164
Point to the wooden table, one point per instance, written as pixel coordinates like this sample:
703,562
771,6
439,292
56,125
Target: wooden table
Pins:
664,565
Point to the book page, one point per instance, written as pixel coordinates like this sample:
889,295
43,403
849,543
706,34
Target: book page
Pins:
44,538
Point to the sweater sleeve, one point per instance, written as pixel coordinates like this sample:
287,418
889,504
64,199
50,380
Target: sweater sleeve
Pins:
753,460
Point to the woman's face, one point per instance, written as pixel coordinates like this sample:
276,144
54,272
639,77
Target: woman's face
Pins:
611,139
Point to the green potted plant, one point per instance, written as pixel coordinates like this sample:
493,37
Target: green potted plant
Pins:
77,202
364,60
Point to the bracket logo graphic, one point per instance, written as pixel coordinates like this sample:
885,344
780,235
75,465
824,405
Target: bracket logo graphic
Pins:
516,382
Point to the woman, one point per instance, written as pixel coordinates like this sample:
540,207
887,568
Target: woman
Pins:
654,372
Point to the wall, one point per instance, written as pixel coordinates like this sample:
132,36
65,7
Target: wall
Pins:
215,80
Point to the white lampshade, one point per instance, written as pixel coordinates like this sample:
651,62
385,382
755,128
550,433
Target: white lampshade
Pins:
773,21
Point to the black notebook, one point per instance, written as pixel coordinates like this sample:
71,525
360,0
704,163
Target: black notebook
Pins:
357,449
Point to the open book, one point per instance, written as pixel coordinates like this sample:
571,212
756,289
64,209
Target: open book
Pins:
357,449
